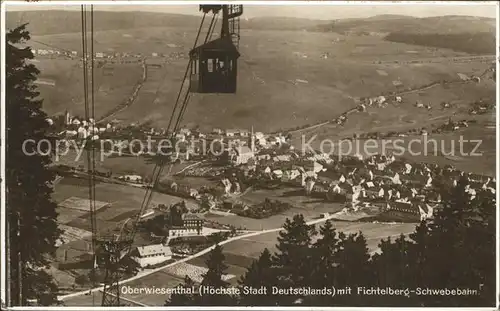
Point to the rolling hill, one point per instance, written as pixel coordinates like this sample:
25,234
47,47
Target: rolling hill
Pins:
56,22
474,43
475,35
286,79
398,23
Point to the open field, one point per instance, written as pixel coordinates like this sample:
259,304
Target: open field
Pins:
268,96
307,206
118,165
124,201
114,83
71,234
253,246
81,204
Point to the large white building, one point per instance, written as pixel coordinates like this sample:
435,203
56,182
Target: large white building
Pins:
151,254
131,178
241,155
192,225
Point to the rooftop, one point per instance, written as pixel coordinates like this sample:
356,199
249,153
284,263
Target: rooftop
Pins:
243,150
154,249
190,216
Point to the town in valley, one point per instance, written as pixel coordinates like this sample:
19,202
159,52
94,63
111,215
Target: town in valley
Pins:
236,168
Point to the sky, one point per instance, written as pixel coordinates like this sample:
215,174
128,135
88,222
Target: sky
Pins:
321,11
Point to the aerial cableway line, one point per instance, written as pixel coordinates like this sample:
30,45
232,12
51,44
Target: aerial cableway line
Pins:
89,103
224,60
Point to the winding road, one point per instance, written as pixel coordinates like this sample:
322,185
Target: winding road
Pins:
201,253
405,92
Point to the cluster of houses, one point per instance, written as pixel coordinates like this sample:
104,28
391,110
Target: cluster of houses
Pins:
50,52
397,187
154,254
72,54
97,55
378,101
80,128
394,185
482,107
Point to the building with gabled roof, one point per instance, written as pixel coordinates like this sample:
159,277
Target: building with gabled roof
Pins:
282,158
151,254
241,155
413,212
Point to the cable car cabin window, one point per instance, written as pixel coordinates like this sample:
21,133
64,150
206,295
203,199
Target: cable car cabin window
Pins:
217,67
194,67
210,65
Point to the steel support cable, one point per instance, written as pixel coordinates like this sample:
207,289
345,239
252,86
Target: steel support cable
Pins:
84,59
215,23
86,103
89,112
93,216
183,110
183,106
85,95
187,95
158,169
156,176
93,99
174,130
208,36
210,28
188,67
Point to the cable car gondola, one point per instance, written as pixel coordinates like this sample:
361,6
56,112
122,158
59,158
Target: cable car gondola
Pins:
214,64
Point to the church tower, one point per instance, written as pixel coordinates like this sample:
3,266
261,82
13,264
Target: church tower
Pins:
67,118
252,141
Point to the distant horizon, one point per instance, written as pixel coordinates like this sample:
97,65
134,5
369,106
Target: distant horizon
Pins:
314,12
268,16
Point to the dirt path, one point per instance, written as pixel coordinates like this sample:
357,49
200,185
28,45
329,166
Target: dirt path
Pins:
131,98
188,167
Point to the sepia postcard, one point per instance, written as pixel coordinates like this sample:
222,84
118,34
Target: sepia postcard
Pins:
249,154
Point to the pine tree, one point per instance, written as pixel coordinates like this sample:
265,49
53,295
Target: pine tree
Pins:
353,268
183,298
392,269
459,249
259,275
455,250
213,279
292,262
323,260
31,213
